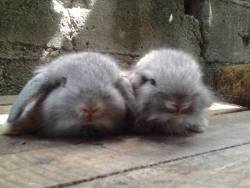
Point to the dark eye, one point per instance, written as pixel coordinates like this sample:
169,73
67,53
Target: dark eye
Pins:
63,81
152,81
144,80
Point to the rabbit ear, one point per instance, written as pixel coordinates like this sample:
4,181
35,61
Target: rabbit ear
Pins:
125,88
40,84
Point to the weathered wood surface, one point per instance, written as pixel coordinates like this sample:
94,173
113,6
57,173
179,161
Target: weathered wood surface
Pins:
229,168
7,99
217,158
215,109
5,109
218,108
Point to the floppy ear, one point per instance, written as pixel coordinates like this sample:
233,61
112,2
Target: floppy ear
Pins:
125,88
40,84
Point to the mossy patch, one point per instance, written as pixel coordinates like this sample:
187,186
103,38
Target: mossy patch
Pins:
233,82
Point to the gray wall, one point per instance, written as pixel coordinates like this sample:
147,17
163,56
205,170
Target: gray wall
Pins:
33,32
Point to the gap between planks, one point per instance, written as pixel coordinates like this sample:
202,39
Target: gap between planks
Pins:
142,167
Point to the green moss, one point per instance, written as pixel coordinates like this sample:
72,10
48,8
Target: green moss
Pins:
233,82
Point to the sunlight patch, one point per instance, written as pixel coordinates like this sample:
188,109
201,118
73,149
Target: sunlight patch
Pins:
223,106
3,118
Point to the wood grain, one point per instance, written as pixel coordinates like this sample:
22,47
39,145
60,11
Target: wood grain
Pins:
221,169
62,163
7,99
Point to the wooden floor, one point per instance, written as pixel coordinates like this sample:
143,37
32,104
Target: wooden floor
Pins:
218,158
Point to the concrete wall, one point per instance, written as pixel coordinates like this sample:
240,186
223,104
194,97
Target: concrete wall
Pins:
35,31
226,31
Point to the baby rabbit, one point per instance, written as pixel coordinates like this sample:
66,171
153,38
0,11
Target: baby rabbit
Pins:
171,97
72,95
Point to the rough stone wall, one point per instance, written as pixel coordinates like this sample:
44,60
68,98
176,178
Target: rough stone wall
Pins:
226,31
33,32
28,30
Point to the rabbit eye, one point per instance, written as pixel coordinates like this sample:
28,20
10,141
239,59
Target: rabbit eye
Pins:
152,81
144,80
63,81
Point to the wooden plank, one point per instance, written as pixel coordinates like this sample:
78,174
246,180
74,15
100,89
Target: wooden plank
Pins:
218,108
7,99
69,163
215,109
19,144
5,109
229,168
12,145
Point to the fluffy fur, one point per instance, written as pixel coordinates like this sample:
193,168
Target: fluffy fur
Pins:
73,84
170,94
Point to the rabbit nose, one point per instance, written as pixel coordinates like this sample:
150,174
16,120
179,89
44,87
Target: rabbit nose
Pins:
177,108
89,113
